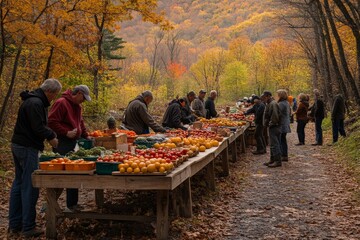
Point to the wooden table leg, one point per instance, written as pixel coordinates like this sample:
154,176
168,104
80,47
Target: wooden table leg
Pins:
225,162
162,215
99,197
210,175
185,199
243,144
52,211
233,151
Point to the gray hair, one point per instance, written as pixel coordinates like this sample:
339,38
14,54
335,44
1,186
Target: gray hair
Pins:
212,92
147,93
51,85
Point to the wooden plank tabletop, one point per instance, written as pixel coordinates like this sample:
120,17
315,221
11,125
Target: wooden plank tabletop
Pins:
134,182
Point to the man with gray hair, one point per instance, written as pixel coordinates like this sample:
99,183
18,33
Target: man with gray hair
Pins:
137,117
28,139
210,105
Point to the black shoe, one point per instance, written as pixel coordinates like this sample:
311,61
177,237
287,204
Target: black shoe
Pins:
275,164
35,232
299,144
284,159
268,163
316,144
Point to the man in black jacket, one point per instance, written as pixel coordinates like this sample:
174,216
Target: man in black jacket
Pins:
337,117
319,115
210,105
258,111
172,117
28,139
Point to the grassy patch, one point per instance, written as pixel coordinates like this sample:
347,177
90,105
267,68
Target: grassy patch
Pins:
326,124
349,150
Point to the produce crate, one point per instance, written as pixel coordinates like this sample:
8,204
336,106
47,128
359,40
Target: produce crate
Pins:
250,136
111,142
79,166
86,143
106,168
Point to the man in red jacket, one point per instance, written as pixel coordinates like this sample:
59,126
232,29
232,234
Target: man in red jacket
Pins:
66,120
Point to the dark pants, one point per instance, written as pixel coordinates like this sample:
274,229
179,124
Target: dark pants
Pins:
23,196
283,144
318,131
338,127
65,146
274,133
300,129
260,139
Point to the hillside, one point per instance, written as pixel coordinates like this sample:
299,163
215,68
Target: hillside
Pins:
208,23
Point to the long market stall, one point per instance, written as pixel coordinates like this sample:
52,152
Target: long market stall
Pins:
177,181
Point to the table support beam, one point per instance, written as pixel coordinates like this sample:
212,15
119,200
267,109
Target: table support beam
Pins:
162,216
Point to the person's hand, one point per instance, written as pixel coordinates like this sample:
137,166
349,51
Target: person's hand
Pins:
54,142
72,134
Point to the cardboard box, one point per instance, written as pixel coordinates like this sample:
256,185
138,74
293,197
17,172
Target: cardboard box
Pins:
112,142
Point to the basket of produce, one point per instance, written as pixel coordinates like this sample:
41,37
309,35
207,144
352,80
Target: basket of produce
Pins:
79,165
48,155
87,154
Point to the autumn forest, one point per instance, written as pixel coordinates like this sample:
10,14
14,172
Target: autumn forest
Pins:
120,48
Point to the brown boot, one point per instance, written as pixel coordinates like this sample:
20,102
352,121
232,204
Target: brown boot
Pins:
284,159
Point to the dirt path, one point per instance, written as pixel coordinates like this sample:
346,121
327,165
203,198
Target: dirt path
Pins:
309,197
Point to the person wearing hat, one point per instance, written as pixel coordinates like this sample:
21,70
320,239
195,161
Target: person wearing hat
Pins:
66,119
258,111
137,118
210,105
186,111
198,104
272,120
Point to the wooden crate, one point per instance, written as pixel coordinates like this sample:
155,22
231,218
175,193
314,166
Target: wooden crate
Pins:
111,142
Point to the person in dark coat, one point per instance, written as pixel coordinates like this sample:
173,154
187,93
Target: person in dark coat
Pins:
258,111
137,117
187,112
210,105
337,117
172,117
301,118
319,115
28,139
272,120
198,105
285,110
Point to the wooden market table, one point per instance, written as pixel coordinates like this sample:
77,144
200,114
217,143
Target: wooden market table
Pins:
178,181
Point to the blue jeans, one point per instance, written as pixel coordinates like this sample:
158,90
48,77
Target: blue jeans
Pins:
283,144
300,129
23,196
274,134
318,130
338,126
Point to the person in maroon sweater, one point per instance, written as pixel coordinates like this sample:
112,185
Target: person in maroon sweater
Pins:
65,119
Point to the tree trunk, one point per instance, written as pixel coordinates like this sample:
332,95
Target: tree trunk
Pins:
355,28
11,87
341,52
3,40
48,64
332,56
321,55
